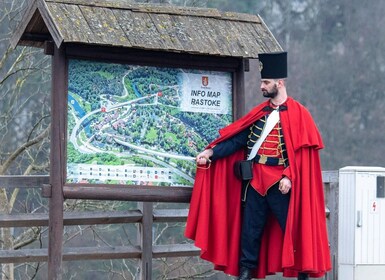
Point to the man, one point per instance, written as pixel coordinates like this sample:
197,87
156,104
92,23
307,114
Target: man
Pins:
280,225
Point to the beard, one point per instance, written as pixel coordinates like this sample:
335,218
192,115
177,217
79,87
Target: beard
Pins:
272,93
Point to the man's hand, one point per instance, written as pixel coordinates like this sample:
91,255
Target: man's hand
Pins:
204,157
285,185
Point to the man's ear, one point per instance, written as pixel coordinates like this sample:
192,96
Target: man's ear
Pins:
280,82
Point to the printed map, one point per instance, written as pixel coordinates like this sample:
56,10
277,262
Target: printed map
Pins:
127,125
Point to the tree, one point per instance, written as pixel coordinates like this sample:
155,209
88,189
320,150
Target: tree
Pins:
336,66
335,69
24,126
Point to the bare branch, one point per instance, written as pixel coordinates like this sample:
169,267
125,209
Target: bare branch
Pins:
22,148
16,191
27,237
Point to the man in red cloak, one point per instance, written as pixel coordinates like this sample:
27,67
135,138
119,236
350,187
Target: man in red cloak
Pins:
274,222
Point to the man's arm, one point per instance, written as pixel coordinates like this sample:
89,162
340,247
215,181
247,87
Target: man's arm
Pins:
224,148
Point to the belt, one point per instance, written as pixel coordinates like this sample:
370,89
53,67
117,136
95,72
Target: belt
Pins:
262,159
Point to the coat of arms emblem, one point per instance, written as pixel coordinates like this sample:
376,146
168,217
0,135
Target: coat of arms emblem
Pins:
205,81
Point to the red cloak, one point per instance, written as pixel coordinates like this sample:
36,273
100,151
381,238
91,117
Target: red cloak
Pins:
214,219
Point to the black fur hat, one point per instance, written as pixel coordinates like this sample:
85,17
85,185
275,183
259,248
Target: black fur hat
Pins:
273,65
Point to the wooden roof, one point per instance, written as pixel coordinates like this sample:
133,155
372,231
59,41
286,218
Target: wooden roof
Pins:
119,23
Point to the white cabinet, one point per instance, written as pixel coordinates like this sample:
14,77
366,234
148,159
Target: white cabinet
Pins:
361,223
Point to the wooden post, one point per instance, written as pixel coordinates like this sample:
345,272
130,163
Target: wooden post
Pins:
239,90
58,101
333,195
145,236
330,179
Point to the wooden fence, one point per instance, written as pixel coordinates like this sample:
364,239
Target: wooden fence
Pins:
145,216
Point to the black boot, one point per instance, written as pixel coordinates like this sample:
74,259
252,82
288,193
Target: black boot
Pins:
245,273
303,276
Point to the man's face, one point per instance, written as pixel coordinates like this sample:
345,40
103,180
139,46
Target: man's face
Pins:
269,88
